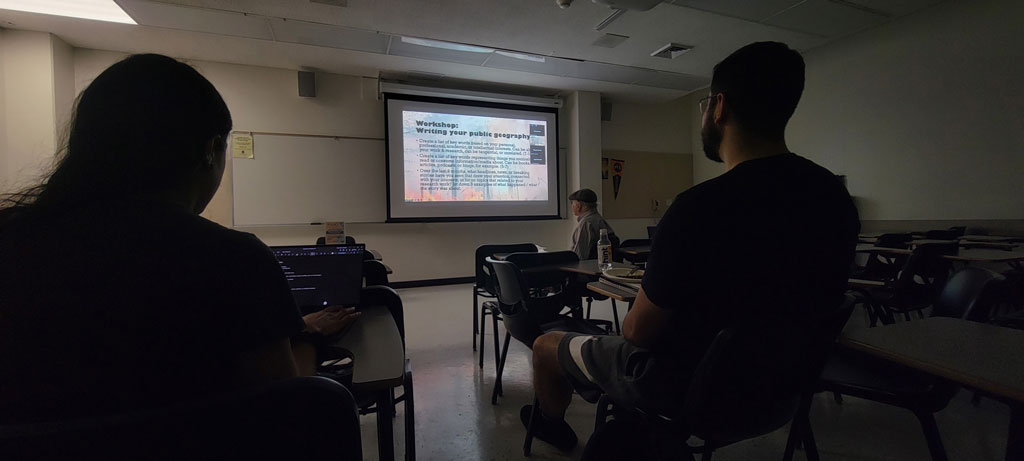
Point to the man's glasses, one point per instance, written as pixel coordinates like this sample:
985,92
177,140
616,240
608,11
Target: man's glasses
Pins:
705,102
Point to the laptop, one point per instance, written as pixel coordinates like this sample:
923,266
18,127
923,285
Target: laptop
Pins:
325,275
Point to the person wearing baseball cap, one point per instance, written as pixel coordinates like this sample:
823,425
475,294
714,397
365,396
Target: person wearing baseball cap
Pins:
588,224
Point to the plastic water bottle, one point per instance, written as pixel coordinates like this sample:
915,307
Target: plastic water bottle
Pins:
604,251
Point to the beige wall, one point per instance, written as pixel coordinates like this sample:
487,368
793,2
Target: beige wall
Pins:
3,115
29,103
265,99
649,127
923,115
655,128
64,90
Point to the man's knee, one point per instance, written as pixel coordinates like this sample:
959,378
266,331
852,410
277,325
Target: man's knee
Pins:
545,347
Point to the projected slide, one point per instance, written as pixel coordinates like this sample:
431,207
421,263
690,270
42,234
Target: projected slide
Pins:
452,158
463,160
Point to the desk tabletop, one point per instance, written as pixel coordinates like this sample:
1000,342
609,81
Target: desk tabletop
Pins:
871,248
988,255
978,355
611,291
636,250
991,238
590,267
378,356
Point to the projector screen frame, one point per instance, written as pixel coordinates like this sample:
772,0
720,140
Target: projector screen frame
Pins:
387,95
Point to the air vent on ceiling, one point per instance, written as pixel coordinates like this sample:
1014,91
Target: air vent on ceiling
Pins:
671,51
331,2
610,40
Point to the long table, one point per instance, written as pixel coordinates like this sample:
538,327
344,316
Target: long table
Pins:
976,355
378,366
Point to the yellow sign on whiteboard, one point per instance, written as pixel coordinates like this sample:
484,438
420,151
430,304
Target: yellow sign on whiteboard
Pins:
242,146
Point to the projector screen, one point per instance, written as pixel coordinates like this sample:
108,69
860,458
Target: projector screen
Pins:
464,160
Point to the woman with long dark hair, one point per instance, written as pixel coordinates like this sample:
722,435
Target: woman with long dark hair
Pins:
114,293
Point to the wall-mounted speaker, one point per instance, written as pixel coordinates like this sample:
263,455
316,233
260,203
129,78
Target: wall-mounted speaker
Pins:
307,84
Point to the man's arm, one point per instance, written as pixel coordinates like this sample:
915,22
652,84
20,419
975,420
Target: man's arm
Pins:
645,322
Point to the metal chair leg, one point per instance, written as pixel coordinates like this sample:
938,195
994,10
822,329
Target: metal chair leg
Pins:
475,317
483,331
589,301
615,315
932,436
410,416
494,322
501,368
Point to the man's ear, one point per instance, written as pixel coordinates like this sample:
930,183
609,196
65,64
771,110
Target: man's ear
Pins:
214,147
721,111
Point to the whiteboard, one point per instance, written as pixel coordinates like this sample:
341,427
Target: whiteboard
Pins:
304,179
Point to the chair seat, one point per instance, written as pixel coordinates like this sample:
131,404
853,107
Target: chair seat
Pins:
873,379
572,325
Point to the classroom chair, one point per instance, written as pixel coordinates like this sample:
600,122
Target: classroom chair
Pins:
750,382
969,295
484,286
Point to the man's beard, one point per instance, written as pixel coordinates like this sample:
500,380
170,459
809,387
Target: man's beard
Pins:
711,137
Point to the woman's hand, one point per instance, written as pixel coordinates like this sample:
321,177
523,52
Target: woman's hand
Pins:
330,320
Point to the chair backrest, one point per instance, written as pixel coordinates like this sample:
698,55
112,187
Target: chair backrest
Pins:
631,243
511,292
484,276
750,380
528,300
944,234
959,231
349,240
887,266
969,294
925,271
894,240
375,273
308,418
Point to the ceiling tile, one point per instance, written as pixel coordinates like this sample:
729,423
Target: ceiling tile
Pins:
895,7
346,38
825,18
753,10
197,19
539,65
673,81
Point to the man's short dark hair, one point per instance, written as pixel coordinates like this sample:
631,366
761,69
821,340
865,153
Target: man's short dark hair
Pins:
762,83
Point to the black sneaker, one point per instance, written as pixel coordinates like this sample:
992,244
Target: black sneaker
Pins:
557,433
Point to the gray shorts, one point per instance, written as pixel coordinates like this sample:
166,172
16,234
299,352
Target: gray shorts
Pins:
630,375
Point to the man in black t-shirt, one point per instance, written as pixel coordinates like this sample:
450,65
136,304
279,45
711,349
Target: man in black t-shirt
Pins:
769,240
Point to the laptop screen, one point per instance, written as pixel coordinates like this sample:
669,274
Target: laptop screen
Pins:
326,275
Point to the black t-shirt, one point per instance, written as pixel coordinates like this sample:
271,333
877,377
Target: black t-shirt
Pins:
771,239
128,304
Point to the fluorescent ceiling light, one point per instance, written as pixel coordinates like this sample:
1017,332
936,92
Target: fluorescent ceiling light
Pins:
99,10
523,56
445,45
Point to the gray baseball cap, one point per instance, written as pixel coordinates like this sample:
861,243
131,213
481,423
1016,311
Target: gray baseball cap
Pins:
584,195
